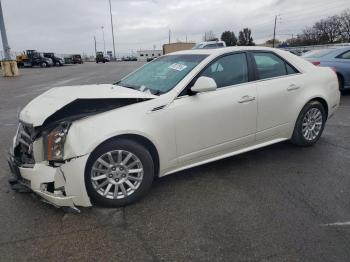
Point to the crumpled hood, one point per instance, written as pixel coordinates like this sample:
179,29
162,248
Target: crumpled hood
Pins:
43,106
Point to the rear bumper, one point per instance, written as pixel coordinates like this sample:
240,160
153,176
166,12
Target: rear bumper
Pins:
60,186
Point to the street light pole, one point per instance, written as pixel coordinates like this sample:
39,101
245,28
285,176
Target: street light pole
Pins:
110,12
5,44
104,42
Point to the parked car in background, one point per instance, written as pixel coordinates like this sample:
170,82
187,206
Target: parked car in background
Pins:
57,61
68,60
210,45
104,144
77,59
129,58
337,58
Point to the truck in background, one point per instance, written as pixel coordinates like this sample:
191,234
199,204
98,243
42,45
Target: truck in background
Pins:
31,58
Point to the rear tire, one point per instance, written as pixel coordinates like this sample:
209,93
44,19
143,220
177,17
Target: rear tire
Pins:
44,64
310,124
108,183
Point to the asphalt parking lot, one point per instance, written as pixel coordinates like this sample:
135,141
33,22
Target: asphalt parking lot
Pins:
279,203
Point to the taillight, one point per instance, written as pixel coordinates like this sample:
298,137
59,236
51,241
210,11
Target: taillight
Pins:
316,63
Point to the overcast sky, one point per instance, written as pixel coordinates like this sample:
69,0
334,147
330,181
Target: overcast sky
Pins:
68,26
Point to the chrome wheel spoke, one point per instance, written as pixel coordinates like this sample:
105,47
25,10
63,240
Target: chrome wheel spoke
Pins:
120,156
110,158
103,162
132,164
127,159
122,187
134,178
102,185
100,170
132,171
131,185
99,177
108,188
116,189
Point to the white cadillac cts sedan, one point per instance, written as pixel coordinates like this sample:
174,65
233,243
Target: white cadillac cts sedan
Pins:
104,144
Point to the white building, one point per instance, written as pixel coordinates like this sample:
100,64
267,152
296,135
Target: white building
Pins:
144,55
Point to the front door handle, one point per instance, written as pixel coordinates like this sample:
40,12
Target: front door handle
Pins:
292,87
246,99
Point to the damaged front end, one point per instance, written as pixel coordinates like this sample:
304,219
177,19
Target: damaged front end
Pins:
37,158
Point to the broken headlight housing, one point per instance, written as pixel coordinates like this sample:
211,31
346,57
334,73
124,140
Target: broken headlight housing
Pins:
54,142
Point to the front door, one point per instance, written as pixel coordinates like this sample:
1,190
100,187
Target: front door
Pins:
218,121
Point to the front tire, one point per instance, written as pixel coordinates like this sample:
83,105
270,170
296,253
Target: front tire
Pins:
44,64
310,124
118,173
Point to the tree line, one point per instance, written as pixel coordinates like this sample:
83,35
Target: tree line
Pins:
334,29
244,37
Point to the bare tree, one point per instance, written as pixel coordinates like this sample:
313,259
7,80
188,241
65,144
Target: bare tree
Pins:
329,29
344,20
209,36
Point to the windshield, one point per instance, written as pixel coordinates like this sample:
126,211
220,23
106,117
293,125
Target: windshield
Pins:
318,53
163,74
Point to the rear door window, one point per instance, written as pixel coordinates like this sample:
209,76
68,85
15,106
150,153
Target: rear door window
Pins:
270,65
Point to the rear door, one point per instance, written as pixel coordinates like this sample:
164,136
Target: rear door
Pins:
278,85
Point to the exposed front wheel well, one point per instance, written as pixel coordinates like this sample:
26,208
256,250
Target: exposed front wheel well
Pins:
143,141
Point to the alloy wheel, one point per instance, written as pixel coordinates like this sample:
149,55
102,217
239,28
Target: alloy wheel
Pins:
312,124
117,174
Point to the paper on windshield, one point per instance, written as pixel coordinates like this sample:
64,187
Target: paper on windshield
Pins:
177,67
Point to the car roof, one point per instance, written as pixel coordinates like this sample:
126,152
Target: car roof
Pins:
222,50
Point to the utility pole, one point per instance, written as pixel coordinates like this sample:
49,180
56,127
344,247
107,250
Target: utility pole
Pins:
104,42
9,67
110,12
274,32
95,45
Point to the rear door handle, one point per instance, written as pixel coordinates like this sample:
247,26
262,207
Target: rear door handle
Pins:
246,99
293,87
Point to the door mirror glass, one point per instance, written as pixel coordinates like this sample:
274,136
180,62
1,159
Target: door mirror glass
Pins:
204,84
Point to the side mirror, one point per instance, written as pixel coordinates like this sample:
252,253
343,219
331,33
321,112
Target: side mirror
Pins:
204,84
